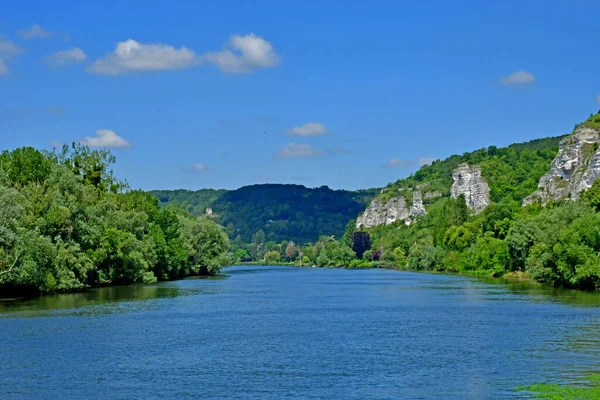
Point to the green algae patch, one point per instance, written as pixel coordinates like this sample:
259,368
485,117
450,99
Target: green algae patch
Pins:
590,391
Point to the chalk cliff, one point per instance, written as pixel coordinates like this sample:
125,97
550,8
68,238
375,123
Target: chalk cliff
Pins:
467,180
575,168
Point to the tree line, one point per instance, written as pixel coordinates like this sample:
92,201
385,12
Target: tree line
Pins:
558,244
67,223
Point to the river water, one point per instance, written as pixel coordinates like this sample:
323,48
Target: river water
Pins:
299,333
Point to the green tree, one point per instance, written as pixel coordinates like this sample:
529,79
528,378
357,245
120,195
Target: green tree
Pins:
207,245
592,195
26,165
348,237
257,249
67,224
241,255
272,257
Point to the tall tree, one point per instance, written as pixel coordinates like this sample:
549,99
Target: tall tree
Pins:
290,250
348,237
361,242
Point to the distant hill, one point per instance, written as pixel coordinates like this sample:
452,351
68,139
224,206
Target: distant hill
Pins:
196,202
283,212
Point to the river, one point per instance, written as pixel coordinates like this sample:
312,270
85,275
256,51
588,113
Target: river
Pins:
299,333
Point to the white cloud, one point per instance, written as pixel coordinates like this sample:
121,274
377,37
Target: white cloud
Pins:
131,56
56,144
3,68
425,160
74,55
8,48
518,78
35,32
293,150
199,168
309,129
598,98
244,54
105,138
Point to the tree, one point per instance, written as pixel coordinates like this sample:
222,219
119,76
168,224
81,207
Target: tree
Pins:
26,165
459,211
67,224
241,255
92,165
272,257
257,249
361,242
348,237
592,195
207,245
290,250
496,219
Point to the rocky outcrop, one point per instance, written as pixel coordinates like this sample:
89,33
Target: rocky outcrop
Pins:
417,209
468,181
574,169
395,209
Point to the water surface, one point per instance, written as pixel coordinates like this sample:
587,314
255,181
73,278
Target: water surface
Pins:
305,333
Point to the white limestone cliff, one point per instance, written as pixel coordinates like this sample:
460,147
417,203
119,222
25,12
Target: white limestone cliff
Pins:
467,180
573,170
395,209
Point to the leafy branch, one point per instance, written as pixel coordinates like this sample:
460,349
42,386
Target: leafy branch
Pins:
14,264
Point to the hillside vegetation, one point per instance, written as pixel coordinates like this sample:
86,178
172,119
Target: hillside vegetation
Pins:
512,172
282,212
557,244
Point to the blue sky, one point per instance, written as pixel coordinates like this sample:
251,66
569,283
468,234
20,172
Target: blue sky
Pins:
347,94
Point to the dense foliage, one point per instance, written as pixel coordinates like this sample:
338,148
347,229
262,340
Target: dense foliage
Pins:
282,212
67,224
558,244
593,121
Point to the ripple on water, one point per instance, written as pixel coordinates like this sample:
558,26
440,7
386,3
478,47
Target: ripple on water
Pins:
286,332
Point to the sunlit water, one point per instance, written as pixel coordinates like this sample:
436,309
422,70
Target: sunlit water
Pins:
273,333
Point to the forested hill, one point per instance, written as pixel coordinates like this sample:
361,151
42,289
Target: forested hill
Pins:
553,238
283,212
512,172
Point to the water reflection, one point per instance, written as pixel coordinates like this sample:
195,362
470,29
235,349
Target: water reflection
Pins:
543,293
95,301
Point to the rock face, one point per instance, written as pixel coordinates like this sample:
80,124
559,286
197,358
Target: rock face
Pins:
417,209
468,181
395,209
574,169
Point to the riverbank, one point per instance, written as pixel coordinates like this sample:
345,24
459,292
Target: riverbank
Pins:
522,276
509,277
